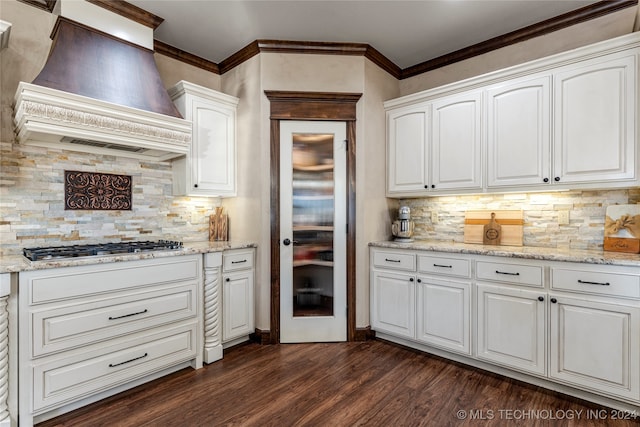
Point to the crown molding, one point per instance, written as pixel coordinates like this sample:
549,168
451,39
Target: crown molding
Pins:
130,11
186,57
47,5
310,48
577,16
244,54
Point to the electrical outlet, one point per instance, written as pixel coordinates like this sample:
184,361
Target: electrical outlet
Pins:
563,217
434,217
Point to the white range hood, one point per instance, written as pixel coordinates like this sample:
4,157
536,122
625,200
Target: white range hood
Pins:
52,118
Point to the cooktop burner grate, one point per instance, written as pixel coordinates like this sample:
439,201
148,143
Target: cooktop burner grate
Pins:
55,252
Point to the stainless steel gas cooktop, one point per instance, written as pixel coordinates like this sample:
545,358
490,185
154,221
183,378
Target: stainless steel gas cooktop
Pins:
60,252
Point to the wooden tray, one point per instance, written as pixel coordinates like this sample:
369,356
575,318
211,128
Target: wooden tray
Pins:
511,222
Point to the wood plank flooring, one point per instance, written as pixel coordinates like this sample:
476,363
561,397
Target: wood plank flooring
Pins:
371,383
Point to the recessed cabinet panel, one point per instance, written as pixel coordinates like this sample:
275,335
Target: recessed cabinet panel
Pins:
214,131
393,303
596,345
595,119
63,380
395,260
443,314
518,117
456,140
407,144
237,302
512,328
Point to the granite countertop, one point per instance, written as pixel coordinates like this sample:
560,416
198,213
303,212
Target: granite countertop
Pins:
524,252
18,263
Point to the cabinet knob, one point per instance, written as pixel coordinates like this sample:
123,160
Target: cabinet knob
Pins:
540,299
426,186
227,279
546,180
419,280
195,185
553,300
433,186
556,179
411,279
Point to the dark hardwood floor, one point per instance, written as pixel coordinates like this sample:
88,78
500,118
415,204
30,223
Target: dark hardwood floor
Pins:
371,383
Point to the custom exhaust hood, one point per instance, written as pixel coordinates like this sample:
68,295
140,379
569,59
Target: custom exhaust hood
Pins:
99,93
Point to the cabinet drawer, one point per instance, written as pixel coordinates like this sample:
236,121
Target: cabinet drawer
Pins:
595,282
74,282
70,326
447,266
527,275
394,260
59,381
237,260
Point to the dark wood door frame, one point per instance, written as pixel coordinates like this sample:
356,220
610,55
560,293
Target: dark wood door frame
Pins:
312,106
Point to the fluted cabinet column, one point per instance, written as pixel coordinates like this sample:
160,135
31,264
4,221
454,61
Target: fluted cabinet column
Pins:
212,307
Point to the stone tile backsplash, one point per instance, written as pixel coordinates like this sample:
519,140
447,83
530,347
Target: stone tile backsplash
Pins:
586,215
32,206
32,209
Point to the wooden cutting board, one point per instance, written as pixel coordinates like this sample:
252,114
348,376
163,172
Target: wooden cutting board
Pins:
511,226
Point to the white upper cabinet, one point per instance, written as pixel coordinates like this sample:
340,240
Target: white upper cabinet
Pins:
210,168
518,132
456,146
569,121
595,111
434,147
407,149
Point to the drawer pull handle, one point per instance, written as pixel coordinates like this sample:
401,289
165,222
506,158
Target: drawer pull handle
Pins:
442,265
507,273
584,282
392,260
128,315
238,262
113,365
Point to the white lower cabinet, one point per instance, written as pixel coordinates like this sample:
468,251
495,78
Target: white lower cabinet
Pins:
573,327
511,327
443,313
90,331
393,303
237,294
596,345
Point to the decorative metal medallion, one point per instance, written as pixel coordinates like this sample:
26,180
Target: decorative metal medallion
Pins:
96,191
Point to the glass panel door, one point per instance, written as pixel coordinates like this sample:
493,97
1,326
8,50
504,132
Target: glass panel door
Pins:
313,231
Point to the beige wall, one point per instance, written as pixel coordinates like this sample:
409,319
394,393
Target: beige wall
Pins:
250,211
23,59
595,30
172,71
373,210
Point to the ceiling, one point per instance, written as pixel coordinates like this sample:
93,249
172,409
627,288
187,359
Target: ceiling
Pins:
406,32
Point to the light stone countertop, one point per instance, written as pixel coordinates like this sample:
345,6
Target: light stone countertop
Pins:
18,263
523,252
